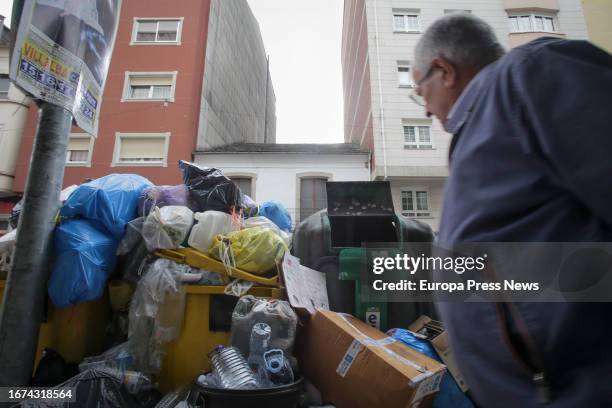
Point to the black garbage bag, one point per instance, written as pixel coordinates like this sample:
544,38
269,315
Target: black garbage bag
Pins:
100,388
210,189
52,370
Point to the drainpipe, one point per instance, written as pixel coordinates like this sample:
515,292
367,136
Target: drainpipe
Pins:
380,92
266,101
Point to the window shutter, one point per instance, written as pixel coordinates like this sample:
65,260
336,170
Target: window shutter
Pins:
142,148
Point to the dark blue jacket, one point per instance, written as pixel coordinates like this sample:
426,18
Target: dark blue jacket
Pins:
531,160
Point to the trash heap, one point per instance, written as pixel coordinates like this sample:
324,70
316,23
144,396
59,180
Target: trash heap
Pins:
209,306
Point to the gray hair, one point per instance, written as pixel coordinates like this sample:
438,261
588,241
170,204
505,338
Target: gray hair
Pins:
460,38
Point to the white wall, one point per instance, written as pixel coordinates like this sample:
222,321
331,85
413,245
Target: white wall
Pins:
276,175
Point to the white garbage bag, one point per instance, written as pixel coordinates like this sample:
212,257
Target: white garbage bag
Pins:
265,222
210,224
167,227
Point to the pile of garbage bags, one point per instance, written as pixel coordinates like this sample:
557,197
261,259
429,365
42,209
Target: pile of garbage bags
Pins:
117,222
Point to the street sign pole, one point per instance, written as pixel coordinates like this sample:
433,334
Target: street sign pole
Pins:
25,293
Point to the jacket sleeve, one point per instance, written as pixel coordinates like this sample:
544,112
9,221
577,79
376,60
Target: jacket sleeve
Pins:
565,89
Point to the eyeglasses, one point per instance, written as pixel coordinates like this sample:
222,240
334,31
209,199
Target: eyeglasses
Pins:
416,98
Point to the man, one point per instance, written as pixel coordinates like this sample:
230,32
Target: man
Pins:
530,160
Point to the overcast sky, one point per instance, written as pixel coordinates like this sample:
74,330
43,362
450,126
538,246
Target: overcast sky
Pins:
303,39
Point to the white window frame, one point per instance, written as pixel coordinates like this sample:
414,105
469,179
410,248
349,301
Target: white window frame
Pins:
119,136
415,213
416,145
406,14
532,21
86,163
135,31
127,86
405,64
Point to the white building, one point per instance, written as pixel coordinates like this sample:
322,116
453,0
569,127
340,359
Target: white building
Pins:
14,107
378,41
294,174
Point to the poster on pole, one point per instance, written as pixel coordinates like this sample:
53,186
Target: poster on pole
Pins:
62,53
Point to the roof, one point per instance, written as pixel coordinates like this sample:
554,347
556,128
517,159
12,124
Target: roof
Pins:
319,148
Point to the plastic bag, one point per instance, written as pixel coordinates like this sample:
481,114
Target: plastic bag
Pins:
265,222
119,358
249,206
104,388
133,252
210,189
256,250
111,200
85,257
450,395
156,313
210,224
277,213
161,196
167,227
133,236
278,314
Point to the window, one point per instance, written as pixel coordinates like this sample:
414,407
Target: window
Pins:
406,21
149,86
417,137
146,149
532,23
80,148
313,196
244,183
415,203
404,78
157,31
5,83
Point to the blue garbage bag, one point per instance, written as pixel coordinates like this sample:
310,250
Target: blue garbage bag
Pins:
85,256
276,212
450,395
111,200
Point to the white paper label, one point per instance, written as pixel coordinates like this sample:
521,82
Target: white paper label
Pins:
349,358
428,386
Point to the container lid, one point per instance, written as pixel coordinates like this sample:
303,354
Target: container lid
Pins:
359,198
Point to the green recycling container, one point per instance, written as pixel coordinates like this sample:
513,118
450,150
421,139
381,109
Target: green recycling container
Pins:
331,241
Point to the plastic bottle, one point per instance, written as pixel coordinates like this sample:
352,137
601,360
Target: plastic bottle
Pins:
258,345
278,368
231,369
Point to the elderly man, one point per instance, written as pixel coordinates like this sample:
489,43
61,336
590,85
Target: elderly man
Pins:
529,161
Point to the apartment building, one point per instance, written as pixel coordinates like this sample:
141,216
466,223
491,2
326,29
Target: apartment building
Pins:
378,40
184,76
14,106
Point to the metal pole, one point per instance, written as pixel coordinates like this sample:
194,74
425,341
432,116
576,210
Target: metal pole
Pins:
25,293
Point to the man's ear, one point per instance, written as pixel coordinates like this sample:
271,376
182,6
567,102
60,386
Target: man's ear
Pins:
450,76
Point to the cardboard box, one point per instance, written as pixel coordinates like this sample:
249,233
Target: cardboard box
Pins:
438,337
355,365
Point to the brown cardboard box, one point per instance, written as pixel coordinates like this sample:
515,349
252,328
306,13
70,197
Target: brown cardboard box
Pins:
355,365
439,341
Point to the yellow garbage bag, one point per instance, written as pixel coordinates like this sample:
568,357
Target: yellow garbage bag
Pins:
255,250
